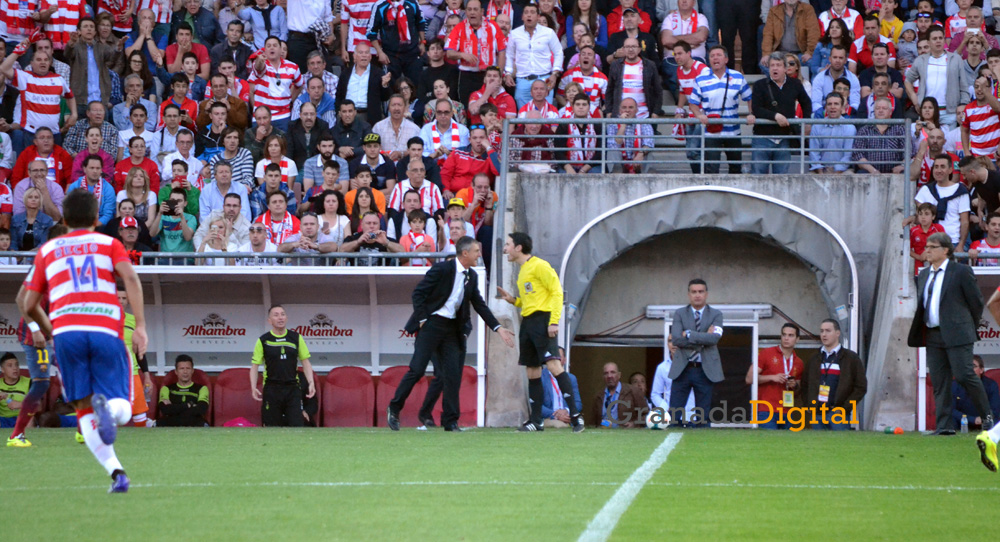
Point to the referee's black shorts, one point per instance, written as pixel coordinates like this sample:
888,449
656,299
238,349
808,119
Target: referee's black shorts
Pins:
536,346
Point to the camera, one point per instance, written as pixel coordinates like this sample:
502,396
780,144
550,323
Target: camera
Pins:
372,235
172,207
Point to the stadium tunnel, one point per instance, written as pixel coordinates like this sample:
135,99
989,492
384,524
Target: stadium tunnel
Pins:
752,249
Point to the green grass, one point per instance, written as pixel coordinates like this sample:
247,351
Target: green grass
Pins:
252,484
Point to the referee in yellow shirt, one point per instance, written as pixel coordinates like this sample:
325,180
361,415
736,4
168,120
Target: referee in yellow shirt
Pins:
540,298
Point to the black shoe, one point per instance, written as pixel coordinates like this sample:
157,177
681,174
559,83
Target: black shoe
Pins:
391,419
943,433
577,423
427,421
988,422
453,427
529,426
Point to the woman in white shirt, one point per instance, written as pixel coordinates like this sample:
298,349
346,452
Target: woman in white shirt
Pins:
334,221
274,153
216,241
137,189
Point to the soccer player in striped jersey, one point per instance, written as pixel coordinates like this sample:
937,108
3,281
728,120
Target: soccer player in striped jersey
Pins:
540,299
77,271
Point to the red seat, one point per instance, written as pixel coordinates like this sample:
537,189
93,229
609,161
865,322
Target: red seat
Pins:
349,398
467,396
931,419
387,385
232,397
993,374
199,376
317,420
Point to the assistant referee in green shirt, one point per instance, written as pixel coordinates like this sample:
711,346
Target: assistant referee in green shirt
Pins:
280,350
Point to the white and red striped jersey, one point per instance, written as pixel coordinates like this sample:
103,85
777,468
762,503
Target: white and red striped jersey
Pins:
685,78
77,270
595,85
954,25
853,19
64,21
983,124
40,98
274,88
548,111
430,196
162,9
6,199
116,8
15,17
985,248
356,14
632,87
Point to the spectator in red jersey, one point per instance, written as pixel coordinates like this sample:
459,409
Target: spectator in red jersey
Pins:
616,25
494,93
779,374
59,162
981,126
475,44
531,148
137,158
462,165
184,43
919,233
860,54
989,245
923,161
276,83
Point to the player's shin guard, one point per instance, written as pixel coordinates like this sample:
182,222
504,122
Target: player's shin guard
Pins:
30,406
566,388
536,396
104,453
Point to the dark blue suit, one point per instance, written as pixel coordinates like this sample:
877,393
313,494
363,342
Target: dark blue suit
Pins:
963,404
548,405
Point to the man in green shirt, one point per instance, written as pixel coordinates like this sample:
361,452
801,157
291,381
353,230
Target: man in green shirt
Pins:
175,227
280,350
185,402
13,388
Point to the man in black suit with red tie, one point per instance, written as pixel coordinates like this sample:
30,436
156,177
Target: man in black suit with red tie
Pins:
442,320
949,306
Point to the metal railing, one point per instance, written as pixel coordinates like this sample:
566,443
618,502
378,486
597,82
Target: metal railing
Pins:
329,258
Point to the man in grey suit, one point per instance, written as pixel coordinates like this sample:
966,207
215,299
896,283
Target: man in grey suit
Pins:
695,330
949,306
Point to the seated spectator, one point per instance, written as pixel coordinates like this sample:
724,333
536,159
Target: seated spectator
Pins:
430,195
93,167
822,82
165,139
275,152
416,240
539,102
215,241
348,130
880,65
555,411
924,228
363,179
978,252
492,92
184,153
59,162
923,161
260,197
213,196
316,67
360,201
235,86
465,163
185,402
180,179
236,109
395,130
122,112
258,243
629,143
830,145
183,43
333,220
480,205
963,405
238,157
647,43
973,20
143,198
174,226
188,108
384,170
208,143
52,193
443,135
5,244
314,169
618,404
13,389
779,374
454,213
137,122
370,240
532,148
797,16
93,148
316,95
580,150
136,159
237,225
442,93
880,89
310,239
936,69
76,137
257,134
950,198
126,208
449,234
331,182
196,84
981,124
129,232
303,140
638,381
30,229
860,55
280,222
398,220
616,20
878,148
414,152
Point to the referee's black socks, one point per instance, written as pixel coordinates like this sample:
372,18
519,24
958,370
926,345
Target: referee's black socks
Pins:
566,387
536,396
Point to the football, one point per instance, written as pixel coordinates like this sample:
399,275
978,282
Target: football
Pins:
657,419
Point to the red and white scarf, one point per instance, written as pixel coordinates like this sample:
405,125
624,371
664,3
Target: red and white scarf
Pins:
578,156
470,44
635,144
284,168
416,241
436,139
97,187
286,227
396,14
492,13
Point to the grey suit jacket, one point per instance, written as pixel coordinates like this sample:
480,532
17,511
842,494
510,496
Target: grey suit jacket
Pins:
700,341
960,309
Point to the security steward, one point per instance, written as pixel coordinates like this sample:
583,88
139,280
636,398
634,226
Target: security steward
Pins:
281,350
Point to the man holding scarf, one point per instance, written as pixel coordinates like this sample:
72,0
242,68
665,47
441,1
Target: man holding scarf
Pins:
397,35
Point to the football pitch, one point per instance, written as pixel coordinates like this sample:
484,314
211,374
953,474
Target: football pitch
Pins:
493,484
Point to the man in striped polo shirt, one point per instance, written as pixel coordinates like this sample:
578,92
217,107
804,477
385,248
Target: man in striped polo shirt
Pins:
981,127
717,94
275,83
41,91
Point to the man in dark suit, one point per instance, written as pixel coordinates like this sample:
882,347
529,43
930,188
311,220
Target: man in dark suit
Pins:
442,321
695,331
374,83
307,123
964,407
949,306
834,377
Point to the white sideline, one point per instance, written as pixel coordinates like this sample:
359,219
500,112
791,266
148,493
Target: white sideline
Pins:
604,522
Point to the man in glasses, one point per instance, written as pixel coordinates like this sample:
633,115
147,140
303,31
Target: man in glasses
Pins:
258,243
443,135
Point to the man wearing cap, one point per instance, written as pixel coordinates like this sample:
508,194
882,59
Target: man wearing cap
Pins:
128,232
462,165
430,195
383,171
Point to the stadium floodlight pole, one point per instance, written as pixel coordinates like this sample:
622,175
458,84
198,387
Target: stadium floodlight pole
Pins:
499,219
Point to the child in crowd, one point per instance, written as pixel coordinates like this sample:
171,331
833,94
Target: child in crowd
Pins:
919,233
906,49
416,240
5,246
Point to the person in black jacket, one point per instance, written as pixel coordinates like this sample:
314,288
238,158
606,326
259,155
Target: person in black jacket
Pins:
774,98
185,402
307,123
442,321
377,91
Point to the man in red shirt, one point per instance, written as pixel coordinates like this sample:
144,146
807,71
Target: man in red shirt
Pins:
615,18
462,165
184,43
779,372
59,161
494,93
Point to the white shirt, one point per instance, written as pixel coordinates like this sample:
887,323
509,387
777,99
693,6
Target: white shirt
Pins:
301,13
937,78
934,305
533,54
256,260
660,391
430,228
952,222
450,307
357,87
127,135
194,167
